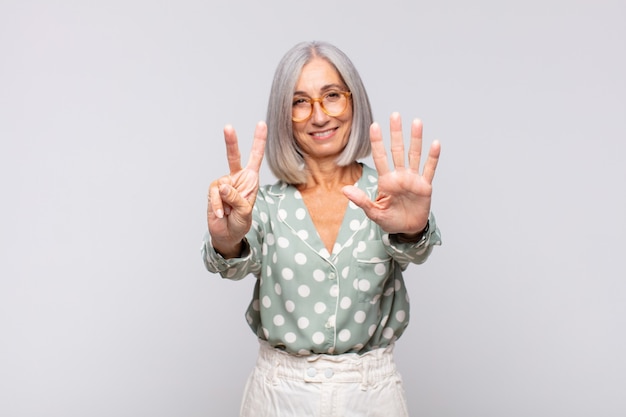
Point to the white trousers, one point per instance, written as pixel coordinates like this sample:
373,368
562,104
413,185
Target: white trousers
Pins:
347,385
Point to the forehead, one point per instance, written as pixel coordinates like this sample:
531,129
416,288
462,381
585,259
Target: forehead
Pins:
316,75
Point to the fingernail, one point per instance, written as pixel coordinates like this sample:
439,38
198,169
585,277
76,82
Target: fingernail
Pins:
219,213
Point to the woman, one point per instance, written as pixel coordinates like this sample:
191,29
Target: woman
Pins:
327,243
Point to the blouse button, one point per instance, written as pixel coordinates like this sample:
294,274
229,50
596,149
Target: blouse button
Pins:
332,275
311,372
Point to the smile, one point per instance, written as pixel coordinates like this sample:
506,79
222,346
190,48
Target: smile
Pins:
324,134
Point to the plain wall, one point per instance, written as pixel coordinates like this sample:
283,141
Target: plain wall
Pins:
111,117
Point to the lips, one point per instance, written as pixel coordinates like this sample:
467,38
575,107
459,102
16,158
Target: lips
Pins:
324,134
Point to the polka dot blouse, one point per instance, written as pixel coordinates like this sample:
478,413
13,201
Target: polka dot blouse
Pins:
307,300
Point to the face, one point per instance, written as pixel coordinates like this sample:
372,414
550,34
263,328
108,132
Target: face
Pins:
321,136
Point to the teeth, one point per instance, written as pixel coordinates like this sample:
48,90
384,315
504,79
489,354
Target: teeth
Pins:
328,132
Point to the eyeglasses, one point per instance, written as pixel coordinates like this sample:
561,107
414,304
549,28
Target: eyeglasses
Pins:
333,103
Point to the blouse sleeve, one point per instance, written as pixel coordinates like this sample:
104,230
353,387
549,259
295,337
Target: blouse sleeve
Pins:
413,252
248,261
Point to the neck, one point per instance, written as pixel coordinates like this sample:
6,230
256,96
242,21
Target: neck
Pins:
330,176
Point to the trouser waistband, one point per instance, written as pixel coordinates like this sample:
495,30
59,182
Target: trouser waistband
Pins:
367,369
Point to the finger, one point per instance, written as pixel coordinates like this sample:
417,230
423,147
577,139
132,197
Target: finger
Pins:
215,201
431,162
258,147
415,150
358,197
232,149
379,156
397,143
232,198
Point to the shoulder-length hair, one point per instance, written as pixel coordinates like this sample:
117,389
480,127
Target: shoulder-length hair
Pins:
284,158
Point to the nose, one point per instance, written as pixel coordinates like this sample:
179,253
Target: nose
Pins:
318,116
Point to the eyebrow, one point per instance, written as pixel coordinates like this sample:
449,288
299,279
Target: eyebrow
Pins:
324,89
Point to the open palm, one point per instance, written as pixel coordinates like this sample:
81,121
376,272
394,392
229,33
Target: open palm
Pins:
404,195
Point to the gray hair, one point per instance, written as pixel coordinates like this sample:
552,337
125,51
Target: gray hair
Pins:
284,158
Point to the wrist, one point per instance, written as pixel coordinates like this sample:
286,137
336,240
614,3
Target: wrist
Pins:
413,237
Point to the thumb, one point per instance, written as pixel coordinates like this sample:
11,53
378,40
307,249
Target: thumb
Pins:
357,196
231,196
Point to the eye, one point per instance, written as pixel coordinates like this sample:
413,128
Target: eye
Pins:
333,95
300,101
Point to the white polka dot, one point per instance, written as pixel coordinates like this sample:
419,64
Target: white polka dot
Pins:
304,352
355,284
300,258
384,320
371,330
303,234
283,242
359,316
300,214
345,303
388,333
290,306
397,284
319,275
344,335
297,195
290,337
266,333
282,214
324,253
375,299
400,316
364,285
304,291
264,217
268,271
256,305
318,338
334,290
303,323
274,257
319,307
345,272
278,289
361,247
267,303
279,320
269,200
355,225
249,319
287,274
269,239
380,269
389,291
336,247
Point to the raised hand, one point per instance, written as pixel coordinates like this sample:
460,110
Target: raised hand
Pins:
404,195
231,197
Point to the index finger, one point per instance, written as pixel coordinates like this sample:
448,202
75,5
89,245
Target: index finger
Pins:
232,149
258,147
378,149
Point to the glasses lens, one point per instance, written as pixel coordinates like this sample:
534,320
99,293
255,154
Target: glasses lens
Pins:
301,108
334,102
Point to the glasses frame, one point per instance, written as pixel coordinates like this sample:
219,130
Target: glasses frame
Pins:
312,101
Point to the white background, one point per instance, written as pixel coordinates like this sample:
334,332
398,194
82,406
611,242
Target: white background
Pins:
111,117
